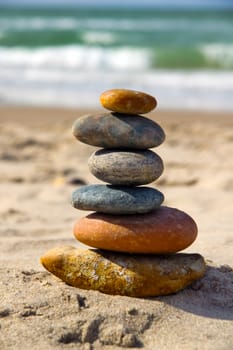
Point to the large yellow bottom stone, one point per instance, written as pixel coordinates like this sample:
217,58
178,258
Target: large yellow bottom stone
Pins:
124,274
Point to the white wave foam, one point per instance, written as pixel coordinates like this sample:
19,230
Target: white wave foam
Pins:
219,53
59,87
76,58
94,37
38,23
110,24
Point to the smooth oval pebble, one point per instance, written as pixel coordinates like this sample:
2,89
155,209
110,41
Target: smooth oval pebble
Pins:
164,230
124,274
113,130
117,199
128,168
127,101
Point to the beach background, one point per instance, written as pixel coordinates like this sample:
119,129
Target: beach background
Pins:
56,58
66,56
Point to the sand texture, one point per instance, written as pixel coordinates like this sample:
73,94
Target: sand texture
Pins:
41,165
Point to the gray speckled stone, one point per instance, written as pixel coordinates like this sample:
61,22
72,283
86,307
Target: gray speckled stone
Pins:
113,130
117,199
127,168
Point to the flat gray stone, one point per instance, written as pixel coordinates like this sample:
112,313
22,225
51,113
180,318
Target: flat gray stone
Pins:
114,130
117,199
126,167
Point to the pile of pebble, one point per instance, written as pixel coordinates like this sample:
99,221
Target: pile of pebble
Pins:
136,238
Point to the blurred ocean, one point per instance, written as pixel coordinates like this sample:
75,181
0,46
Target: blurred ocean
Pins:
67,57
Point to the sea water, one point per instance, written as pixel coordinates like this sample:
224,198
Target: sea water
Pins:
68,56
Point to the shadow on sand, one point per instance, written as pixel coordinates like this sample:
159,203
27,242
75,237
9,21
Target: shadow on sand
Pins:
212,296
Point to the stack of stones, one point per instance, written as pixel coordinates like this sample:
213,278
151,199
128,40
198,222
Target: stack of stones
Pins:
136,238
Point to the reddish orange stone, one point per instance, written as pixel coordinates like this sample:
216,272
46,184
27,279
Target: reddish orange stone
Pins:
164,230
127,101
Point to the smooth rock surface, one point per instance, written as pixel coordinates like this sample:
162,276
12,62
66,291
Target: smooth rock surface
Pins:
123,274
127,101
164,230
113,130
117,199
126,167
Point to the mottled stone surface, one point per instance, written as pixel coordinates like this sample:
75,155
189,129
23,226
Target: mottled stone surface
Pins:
126,167
123,274
127,101
117,199
164,230
114,130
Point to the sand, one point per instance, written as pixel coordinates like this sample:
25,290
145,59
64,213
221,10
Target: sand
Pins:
41,164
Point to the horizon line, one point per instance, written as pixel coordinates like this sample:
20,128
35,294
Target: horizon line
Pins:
182,6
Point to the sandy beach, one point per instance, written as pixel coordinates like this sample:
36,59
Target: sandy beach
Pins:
41,164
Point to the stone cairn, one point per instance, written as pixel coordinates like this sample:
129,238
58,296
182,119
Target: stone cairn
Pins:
137,239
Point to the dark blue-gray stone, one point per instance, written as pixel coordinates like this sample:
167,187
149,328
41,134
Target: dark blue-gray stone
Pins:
117,199
114,130
126,167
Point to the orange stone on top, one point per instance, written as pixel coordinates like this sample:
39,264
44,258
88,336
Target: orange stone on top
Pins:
128,101
164,230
